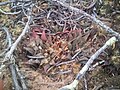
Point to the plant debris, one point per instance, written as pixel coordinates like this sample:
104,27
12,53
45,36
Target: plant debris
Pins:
50,41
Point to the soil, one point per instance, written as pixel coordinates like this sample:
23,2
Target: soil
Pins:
50,73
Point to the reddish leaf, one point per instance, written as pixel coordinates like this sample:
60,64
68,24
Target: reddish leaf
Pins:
34,32
43,36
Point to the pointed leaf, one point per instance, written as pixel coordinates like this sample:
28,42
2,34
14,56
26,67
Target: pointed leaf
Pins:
43,36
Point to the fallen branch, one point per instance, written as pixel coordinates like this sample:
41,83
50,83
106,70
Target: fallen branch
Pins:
18,80
14,77
21,79
82,72
94,19
14,45
9,56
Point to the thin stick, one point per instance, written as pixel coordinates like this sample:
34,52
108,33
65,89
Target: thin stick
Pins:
85,83
9,56
15,80
21,78
14,45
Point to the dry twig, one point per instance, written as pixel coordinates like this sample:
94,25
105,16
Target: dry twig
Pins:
94,19
9,56
82,72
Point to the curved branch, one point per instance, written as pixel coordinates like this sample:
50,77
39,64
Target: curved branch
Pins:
8,38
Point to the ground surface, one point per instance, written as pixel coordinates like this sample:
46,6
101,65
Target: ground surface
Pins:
46,54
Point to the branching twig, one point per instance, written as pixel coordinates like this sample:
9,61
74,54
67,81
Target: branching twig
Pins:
8,55
14,45
85,83
82,72
94,19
